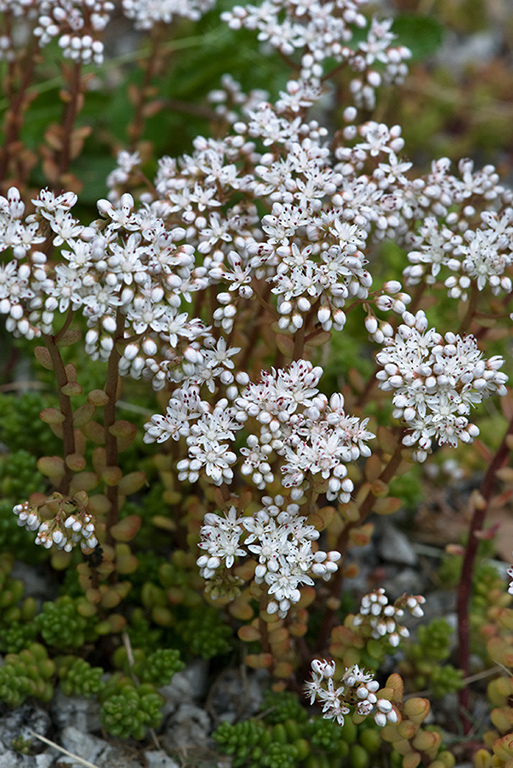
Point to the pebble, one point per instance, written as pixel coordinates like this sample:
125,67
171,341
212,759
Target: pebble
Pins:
159,760
36,580
18,724
394,546
95,750
190,725
238,694
16,760
78,711
185,686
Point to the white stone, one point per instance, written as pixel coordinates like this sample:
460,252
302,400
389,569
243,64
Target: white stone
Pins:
159,760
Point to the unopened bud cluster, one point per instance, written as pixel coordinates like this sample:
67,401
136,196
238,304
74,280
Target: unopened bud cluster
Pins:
382,617
70,525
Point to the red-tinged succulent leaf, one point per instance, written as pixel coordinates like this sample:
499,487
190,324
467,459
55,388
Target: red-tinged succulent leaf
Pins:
52,467
249,634
122,428
112,475
412,760
127,529
75,461
373,468
53,416
417,709
98,397
131,483
396,684
83,415
259,660
43,357
69,337
94,432
84,481
387,506
387,439
72,389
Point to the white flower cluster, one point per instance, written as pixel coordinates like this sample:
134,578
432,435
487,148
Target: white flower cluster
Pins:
279,538
70,526
357,691
269,227
128,266
146,13
286,418
435,381
322,31
382,618
481,255
78,25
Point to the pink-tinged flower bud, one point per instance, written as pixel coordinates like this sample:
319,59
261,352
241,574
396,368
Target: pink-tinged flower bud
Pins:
192,355
324,314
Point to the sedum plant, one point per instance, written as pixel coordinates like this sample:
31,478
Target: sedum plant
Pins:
207,293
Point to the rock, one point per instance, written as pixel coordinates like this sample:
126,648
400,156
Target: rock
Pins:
190,725
45,759
458,53
80,744
366,560
77,711
238,695
16,760
394,546
36,581
18,724
159,760
95,750
185,686
406,580
440,602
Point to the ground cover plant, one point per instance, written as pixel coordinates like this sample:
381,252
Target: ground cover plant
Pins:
230,354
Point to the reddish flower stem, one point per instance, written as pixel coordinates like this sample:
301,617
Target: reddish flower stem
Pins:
481,503
17,109
68,434
73,107
109,418
151,68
